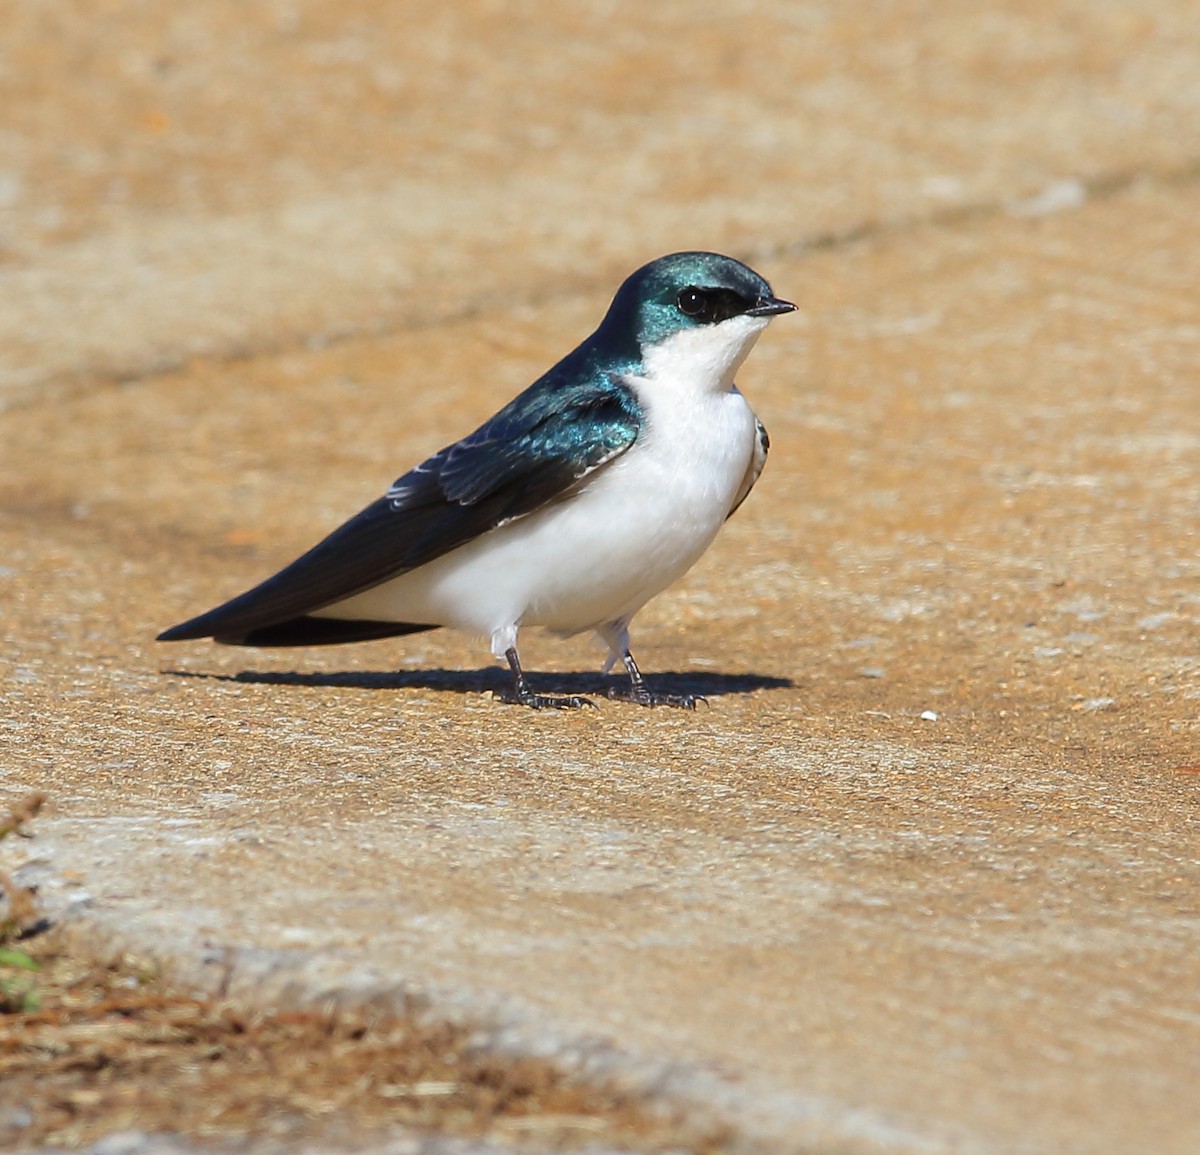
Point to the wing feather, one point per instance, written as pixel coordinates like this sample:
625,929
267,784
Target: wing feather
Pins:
758,459
532,452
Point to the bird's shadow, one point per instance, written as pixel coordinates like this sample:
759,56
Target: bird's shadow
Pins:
701,683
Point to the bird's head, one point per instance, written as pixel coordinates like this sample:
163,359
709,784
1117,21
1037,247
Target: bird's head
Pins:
700,313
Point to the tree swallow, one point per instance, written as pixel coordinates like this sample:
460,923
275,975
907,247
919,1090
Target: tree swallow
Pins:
589,493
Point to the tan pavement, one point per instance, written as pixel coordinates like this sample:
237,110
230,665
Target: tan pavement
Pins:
924,875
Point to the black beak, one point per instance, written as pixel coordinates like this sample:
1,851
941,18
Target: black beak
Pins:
769,307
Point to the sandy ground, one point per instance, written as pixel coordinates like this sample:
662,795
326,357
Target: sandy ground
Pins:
922,877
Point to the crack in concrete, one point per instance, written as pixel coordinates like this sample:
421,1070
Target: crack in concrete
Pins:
1099,188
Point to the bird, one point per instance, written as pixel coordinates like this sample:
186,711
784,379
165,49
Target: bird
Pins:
569,509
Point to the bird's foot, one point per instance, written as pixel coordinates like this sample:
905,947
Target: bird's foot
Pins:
526,697
642,695
521,695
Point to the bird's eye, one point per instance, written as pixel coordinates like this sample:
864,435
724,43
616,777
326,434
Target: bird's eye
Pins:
692,302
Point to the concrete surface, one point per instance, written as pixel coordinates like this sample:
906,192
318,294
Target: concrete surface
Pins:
147,1143
924,875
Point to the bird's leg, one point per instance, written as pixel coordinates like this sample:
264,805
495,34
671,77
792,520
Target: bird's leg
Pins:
522,695
640,693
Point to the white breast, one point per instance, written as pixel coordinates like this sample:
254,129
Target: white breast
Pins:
635,527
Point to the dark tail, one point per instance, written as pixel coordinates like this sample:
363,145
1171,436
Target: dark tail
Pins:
302,631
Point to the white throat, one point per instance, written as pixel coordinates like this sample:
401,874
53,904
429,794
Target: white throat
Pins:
704,359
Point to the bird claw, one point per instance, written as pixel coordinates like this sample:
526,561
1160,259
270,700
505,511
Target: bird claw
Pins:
546,701
641,696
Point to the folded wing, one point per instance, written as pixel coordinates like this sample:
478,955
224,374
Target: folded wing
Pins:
532,452
758,459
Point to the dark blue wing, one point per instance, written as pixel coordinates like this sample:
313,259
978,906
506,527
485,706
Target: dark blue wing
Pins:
533,451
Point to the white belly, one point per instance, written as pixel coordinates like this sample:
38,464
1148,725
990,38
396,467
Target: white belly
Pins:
598,556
